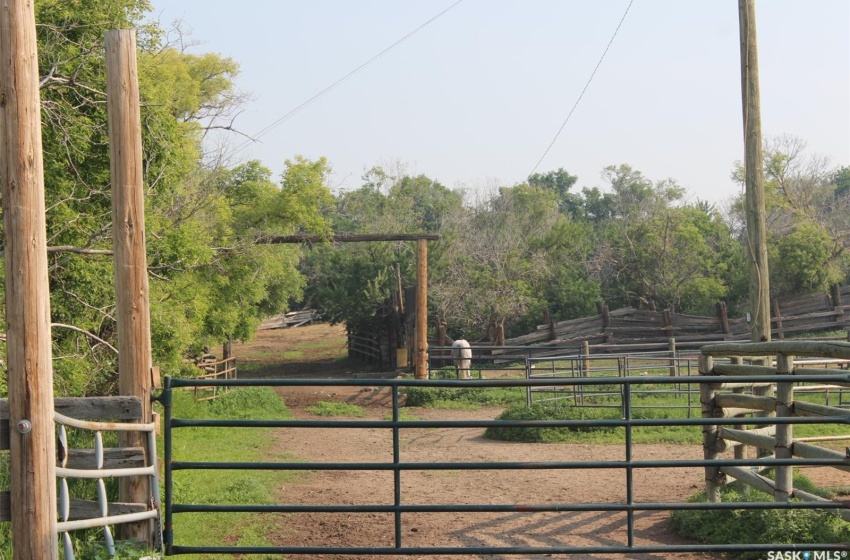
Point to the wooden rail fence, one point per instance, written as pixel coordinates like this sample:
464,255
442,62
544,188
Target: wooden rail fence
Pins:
728,400
214,369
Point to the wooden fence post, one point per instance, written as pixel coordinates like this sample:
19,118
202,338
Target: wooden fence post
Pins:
784,432
547,318
441,341
837,306
585,358
722,316
777,317
606,322
421,369
674,368
713,476
128,239
28,342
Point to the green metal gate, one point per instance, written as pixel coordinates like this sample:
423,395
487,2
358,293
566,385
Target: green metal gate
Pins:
398,467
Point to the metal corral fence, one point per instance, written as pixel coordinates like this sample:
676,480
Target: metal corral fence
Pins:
607,396
404,512
686,396
502,358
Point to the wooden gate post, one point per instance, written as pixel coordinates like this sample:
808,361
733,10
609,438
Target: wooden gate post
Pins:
128,225
29,359
421,370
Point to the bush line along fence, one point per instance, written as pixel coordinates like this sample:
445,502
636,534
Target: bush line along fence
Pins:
615,331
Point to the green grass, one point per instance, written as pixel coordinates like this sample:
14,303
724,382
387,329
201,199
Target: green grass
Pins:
230,486
464,398
760,526
556,435
324,408
403,415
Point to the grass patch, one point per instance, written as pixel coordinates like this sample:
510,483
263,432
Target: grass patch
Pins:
760,526
324,408
403,415
555,411
462,398
227,487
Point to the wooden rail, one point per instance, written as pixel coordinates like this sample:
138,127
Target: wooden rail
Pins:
220,369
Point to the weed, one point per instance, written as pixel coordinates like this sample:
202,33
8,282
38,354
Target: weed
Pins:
772,526
482,396
403,415
324,408
554,411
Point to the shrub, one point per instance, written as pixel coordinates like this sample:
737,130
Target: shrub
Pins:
554,411
441,397
323,408
770,526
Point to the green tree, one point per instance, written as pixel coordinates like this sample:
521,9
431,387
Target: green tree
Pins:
348,282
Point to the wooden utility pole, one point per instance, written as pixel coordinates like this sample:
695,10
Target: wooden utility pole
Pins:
128,224
29,355
756,229
421,363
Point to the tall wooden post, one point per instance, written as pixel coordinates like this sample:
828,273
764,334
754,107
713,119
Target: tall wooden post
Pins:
756,229
128,223
29,359
421,364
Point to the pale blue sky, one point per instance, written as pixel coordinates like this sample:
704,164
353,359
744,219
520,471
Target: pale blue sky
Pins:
474,98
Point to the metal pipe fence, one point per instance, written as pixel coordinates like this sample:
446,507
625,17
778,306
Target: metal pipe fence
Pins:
400,508
620,365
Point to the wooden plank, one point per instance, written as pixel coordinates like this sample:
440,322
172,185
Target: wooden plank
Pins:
91,408
113,458
80,509
85,509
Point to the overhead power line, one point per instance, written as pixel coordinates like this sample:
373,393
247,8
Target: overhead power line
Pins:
598,64
315,97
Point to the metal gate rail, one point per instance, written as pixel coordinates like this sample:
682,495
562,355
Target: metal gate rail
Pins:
397,466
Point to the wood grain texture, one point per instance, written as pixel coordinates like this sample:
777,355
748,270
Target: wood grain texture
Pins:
128,220
421,358
30,371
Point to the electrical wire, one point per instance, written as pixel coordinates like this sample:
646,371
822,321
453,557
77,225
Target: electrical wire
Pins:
598,64
315,97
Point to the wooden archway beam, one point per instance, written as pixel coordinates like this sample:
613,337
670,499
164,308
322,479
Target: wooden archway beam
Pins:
346,238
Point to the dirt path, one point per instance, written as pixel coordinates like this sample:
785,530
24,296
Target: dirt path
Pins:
467,487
